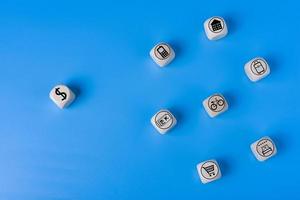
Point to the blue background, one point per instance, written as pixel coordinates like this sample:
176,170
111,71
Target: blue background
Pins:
103,146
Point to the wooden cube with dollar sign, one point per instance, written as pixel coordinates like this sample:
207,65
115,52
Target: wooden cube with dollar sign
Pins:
62,96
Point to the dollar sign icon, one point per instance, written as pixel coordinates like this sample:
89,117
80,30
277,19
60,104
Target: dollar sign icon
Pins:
63,94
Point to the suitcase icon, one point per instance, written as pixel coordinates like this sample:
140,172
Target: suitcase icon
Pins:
259,68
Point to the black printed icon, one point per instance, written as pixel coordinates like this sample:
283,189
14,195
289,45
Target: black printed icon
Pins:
215,25
209,170
265,150
216,103
62,94
164,120
259,67
162,51
265,147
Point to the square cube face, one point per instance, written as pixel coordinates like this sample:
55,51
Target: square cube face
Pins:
62,96
215,105
264,148
215,28
257,69
162,54
163,121
209,171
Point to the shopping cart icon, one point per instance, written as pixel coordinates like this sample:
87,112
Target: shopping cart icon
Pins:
210,169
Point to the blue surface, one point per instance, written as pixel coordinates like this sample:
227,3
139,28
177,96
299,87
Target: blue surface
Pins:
104,146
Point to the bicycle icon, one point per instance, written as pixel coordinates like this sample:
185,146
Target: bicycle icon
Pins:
216,103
